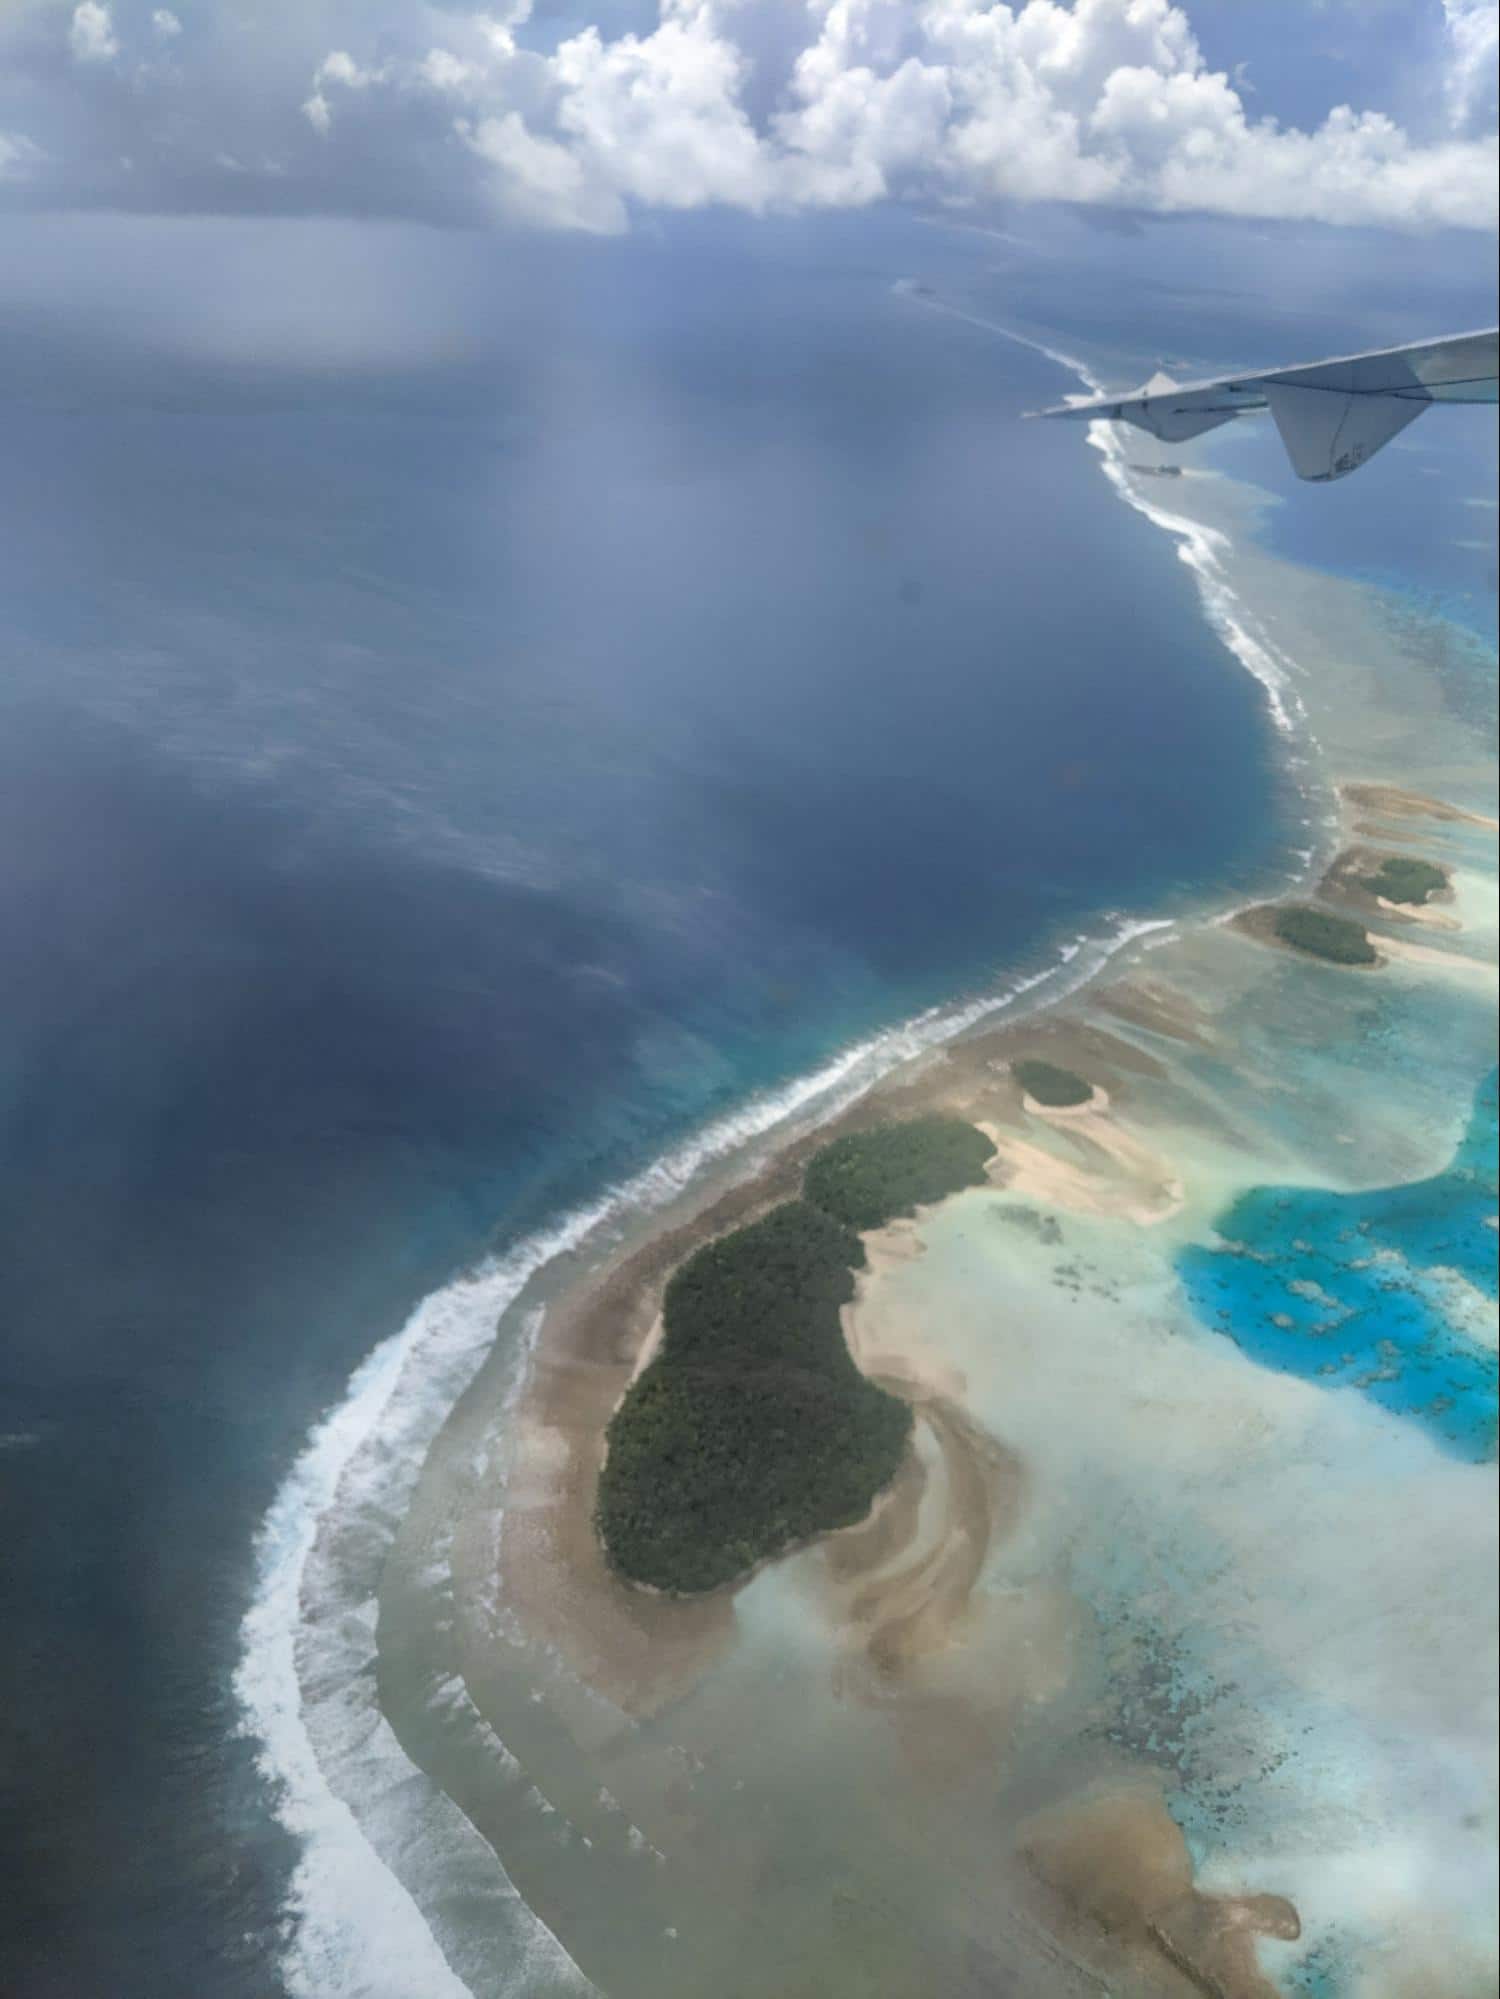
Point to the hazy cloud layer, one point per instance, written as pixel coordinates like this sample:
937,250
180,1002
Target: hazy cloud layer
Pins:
1474,33
763,105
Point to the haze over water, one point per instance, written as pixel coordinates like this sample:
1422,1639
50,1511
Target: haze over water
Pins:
436,785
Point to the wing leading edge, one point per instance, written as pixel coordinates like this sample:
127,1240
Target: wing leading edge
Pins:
1332,415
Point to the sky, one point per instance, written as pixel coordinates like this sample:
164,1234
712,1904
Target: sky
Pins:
573,115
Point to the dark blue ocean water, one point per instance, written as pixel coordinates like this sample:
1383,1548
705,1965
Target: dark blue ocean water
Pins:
1348,1289
1203,299
435,774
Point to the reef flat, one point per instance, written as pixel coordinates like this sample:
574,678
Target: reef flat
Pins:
1164,1661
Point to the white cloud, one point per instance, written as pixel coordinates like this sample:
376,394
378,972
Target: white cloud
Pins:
1474,43
488,53
1104,101
17,155
426,106
1108,102
658,118
91,35
539,181
448,72
339,67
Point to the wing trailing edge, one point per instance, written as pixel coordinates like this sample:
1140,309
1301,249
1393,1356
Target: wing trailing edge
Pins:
1332,416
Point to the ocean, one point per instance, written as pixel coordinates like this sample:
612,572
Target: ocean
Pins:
437,784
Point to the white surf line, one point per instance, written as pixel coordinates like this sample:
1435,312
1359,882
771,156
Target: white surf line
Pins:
305,1682
357,1931
1200,547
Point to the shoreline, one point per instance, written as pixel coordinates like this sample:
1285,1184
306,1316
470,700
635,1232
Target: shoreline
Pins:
721,1176
597,1334
899,1592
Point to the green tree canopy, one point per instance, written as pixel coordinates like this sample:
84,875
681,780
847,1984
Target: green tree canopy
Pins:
1335,938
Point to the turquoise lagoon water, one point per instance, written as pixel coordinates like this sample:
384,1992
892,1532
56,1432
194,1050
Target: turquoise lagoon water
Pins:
1359,1290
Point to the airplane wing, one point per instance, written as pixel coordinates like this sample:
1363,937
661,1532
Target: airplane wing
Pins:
1332,415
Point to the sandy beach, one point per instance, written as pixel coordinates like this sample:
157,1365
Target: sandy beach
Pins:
600,1334
1141,1676
904,1609
1087,1159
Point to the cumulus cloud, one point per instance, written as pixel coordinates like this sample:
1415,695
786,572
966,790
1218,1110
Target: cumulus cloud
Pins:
1104,101
165,23
337,67
541,181
91,34
769,105
657,117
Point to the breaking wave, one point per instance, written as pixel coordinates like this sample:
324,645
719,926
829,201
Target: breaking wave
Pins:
395,1890
383,1848
1202,548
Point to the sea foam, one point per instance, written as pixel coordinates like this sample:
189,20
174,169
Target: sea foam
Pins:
380,1844
367,1820
1202,548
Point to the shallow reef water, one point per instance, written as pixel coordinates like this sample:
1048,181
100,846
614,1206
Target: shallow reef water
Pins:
1375,1290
